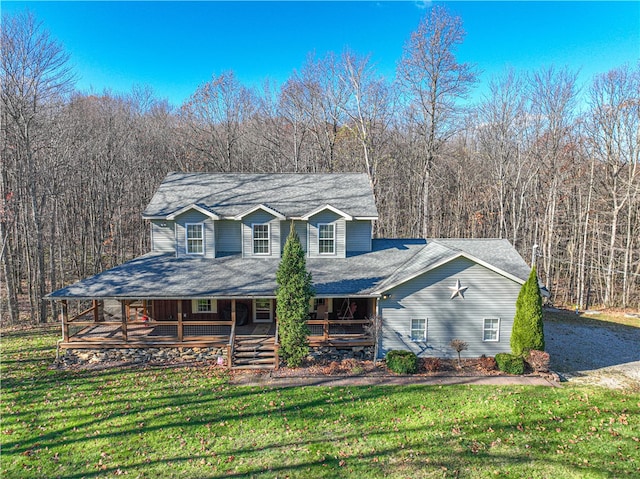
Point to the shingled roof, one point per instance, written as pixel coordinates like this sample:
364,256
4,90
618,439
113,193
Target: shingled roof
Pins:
392,262
228,195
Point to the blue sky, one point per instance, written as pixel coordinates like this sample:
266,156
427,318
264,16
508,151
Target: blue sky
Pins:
176,46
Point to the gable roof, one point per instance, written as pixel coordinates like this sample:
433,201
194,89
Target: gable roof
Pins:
326,207
262,207
230,195
497,255
198,208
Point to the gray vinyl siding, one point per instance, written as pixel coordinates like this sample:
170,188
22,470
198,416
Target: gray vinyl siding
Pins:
489,295
208,230
301,229
358,236
163,236
326,217
261,217
228,236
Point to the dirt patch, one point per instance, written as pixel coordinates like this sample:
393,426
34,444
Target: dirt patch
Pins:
590,351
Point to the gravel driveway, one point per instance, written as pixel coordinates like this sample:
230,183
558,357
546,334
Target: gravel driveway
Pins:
606,354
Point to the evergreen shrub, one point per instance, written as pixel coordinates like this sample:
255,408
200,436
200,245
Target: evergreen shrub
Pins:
528,331
510,363
294,292
402,362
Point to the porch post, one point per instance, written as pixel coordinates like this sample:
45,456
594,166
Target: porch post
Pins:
325,326
233,311
96,316
124,307
65,320
180,335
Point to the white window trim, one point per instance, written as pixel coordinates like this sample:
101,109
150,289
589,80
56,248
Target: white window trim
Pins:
186,238
255,311
411,329
333,228
253,239
484,329
194,306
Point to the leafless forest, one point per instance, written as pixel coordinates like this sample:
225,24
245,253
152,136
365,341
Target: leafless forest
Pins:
540,160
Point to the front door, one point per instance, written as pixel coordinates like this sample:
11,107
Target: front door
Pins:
262,310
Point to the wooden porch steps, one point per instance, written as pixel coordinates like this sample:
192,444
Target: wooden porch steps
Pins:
254,352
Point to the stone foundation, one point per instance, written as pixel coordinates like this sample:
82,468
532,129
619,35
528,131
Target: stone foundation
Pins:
144,355
211,356
320,353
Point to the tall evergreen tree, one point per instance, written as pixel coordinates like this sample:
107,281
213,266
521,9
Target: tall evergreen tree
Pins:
293,295
528,329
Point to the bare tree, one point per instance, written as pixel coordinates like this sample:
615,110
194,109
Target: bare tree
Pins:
503,137
553,101
369,109
433,80
323,96
35,78
216,114
614,139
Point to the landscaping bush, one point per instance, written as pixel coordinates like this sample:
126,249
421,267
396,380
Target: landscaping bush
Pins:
538,360
431,364
510,363
458,345
528,330
402,362
294,292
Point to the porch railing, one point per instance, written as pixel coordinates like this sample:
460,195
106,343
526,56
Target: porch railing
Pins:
327,330
87,326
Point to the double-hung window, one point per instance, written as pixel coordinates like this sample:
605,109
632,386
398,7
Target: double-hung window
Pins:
195,238
491,329
203,306
260,239
419,330
262,310
326,238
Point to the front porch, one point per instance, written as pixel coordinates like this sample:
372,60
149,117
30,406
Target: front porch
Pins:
147,324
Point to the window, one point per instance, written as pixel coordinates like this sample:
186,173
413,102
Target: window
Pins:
262,311
418,330
326,239
260,239
195,238
491,329
203,306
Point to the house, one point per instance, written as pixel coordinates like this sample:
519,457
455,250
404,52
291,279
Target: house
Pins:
208,283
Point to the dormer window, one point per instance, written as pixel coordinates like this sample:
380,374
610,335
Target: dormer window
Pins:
195,238
260,239
326,238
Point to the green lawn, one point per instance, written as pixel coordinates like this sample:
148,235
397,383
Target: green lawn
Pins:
190,423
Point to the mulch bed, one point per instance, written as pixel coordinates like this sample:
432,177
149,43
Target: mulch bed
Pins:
352,367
